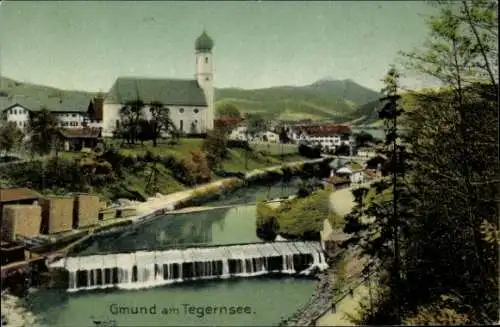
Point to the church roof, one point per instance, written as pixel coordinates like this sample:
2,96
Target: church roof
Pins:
204,42
181,92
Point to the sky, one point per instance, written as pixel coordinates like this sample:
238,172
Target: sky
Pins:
86,45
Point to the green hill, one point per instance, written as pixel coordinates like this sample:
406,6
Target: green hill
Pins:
325,99
12,87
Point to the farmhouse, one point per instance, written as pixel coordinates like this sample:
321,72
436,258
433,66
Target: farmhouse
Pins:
71,108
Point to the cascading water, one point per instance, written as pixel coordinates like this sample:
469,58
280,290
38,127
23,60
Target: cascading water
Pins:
148,269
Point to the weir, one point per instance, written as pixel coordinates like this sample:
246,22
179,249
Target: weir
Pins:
154,268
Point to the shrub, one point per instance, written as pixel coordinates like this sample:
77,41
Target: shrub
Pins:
267,222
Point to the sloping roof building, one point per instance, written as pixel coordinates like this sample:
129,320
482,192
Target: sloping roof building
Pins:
190,101
70,107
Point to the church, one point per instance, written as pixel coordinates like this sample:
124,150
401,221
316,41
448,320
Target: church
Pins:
190,101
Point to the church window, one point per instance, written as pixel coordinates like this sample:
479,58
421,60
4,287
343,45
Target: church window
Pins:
196,111
206,60
181,125
181,110
207,79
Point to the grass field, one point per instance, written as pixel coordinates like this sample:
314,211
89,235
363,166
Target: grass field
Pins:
262,154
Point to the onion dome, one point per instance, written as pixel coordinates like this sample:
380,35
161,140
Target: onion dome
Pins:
204,43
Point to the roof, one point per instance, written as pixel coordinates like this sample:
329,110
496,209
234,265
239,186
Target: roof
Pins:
325,130
181,92
337,180
62,101
227,122
18,194
344,170
354,166
204,43
80,132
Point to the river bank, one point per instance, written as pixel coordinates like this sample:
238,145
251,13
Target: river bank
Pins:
14,313
317,303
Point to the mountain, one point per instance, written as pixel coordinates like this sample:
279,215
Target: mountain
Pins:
324,99
366,114
327,99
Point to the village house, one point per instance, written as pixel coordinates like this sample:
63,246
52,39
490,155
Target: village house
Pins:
229,124
328,136
190,101
353,170
69,107
77,139
267,136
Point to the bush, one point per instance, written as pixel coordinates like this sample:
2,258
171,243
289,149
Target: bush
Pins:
238,144
309,151
267,222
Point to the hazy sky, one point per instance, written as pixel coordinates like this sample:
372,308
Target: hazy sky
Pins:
86,45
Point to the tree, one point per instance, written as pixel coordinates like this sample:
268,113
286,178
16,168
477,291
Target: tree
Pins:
160,121
215,147
283,135
10,136
462,53
343,150
227,110
42,128
255,123
447,186
130,116
362,138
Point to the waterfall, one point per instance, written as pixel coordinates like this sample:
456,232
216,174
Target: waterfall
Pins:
144,269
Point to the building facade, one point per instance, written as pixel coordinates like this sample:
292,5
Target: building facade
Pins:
69,107
190,102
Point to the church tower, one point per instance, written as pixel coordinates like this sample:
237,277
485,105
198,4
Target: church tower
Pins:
204,75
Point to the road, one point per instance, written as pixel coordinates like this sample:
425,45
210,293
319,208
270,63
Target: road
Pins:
342,201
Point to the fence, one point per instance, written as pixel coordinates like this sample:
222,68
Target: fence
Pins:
348,292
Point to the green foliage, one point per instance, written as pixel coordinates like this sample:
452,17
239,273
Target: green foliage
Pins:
321,100
227,110
301,218
160,122
215,147
131,115
362,138
255,123
42,128
267,221
10,136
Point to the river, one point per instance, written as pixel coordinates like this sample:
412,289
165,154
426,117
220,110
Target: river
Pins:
263,300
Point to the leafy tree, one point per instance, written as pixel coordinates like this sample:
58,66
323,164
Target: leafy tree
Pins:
10,136
215,147
343,150
160,121
362,138
227,110
447,193
42,128
255,123
309,151
130,116
283,135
